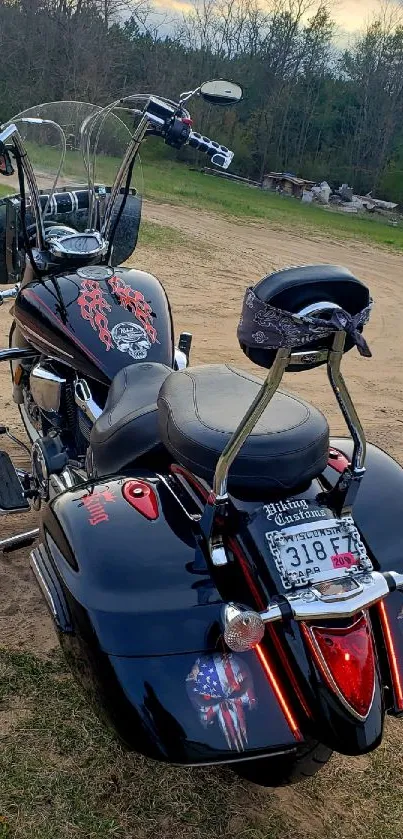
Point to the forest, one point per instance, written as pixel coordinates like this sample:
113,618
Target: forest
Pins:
312,105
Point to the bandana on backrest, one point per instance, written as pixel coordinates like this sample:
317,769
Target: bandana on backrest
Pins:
266,327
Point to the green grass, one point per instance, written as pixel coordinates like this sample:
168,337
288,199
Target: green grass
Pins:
63,776
164,237
5,190
174,183
168,181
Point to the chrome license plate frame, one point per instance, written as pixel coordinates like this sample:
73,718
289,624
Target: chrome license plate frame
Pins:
335,565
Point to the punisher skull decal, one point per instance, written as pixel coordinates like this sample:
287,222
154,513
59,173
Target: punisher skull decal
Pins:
220,688
131,338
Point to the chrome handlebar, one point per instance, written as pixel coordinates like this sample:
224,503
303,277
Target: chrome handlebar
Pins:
11,132
157,113
162,115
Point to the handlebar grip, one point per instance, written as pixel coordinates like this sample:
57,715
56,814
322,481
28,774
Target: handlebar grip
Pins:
210,147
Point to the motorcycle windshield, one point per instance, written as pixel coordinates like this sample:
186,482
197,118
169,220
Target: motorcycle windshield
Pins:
78,148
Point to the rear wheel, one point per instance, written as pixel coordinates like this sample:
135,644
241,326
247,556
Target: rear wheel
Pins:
286,769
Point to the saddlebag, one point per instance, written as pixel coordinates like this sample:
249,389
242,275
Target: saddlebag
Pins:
139,622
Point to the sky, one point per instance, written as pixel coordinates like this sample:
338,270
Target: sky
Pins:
350,15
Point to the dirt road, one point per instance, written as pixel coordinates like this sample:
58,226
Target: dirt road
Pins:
205,278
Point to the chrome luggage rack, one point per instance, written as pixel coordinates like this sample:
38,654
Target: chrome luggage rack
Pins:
341,498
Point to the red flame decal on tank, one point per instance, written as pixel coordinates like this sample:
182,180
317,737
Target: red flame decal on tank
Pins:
135,302
93,306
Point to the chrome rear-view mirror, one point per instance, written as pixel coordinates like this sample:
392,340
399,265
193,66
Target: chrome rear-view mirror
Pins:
221,92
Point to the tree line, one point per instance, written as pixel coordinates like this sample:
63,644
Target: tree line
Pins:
310,106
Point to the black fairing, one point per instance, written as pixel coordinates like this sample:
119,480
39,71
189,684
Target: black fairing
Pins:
92,327
70,207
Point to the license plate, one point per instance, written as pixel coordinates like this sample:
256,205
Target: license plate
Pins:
313,552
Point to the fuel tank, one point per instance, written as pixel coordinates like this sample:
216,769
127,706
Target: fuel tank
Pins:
98,319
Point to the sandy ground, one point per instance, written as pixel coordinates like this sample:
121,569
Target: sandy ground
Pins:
205,279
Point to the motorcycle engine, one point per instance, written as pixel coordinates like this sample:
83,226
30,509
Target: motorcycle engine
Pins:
46,396
47,387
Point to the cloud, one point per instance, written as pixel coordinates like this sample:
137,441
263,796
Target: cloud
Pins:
353,15
350,15
181,6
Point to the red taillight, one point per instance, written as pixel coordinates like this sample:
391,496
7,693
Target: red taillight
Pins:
345,658
142,497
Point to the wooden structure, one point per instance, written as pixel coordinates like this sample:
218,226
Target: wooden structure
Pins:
287,183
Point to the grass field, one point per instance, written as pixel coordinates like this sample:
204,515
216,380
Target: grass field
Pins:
62,776
168,181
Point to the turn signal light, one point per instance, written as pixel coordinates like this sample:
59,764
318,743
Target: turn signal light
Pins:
243,629
18,374
345,658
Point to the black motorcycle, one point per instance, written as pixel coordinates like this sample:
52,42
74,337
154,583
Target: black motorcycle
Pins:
225,580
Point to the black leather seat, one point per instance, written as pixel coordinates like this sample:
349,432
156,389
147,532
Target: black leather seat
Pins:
199,408
128,425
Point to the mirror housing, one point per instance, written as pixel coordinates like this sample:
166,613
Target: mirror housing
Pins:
221,92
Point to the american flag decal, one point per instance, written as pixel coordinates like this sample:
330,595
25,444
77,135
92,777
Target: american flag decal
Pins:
220,687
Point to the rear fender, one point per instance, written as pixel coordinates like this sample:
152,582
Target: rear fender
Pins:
141,630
